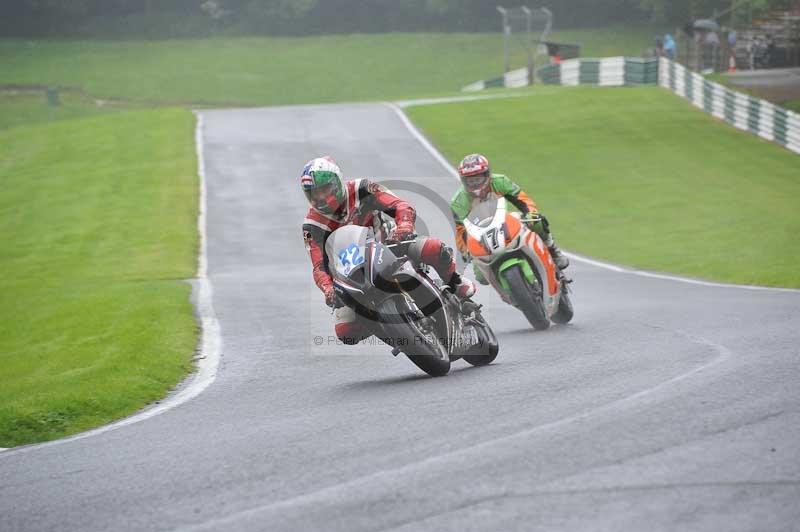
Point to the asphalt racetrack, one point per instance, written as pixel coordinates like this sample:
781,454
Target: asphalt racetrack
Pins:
665,405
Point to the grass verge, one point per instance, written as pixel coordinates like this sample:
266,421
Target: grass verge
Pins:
19,108
271,71
98,220
638,176
792,105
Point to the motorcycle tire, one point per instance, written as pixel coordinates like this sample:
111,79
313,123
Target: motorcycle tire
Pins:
429,356
565,311
527,299
489,346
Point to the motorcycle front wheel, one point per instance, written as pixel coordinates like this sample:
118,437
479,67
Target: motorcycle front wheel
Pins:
486,351
527,298
406,332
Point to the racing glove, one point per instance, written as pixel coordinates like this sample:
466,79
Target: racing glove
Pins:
535,222
330,296
404,228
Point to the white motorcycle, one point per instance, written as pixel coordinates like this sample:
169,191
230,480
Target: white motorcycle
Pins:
403,306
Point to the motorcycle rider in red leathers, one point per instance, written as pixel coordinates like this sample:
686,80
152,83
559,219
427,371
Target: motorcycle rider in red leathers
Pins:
336,203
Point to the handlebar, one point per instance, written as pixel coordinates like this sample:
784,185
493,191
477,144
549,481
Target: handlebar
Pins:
531,218
397,243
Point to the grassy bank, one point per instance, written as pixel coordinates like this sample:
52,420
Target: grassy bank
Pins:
19,108
267,71
98,221
638,176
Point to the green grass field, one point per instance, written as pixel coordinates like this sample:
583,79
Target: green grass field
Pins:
611,41
268,71
19,108
98,221
638,176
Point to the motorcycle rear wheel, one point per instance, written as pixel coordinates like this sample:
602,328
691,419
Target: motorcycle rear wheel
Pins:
429,355
527,299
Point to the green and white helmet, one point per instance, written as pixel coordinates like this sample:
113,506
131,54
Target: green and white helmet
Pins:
322,184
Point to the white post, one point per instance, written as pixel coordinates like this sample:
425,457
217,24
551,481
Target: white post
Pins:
506,35
529,43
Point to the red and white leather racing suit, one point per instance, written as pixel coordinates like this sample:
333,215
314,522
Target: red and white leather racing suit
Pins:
364,197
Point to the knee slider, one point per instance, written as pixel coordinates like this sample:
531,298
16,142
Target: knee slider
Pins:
349,333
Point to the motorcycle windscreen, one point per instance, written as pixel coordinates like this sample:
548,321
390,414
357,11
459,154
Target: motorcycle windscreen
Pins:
346,250
483,213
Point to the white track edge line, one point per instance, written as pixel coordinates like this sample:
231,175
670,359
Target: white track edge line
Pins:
423,140
670,277
600,264
210,341
202,257
457,99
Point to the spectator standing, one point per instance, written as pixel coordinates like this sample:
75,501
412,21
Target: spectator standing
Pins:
770,52
712,48
732,36
670,49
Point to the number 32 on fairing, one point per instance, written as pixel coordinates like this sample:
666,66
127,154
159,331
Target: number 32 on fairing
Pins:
349,258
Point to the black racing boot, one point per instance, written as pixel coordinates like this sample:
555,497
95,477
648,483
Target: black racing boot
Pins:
559,258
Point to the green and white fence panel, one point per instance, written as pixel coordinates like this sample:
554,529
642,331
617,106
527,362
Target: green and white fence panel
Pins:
516,78
570,72
606,72
760,117
511,79
744,112
611,72
641,71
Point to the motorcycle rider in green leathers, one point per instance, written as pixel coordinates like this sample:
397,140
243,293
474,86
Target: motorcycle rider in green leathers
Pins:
477,183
